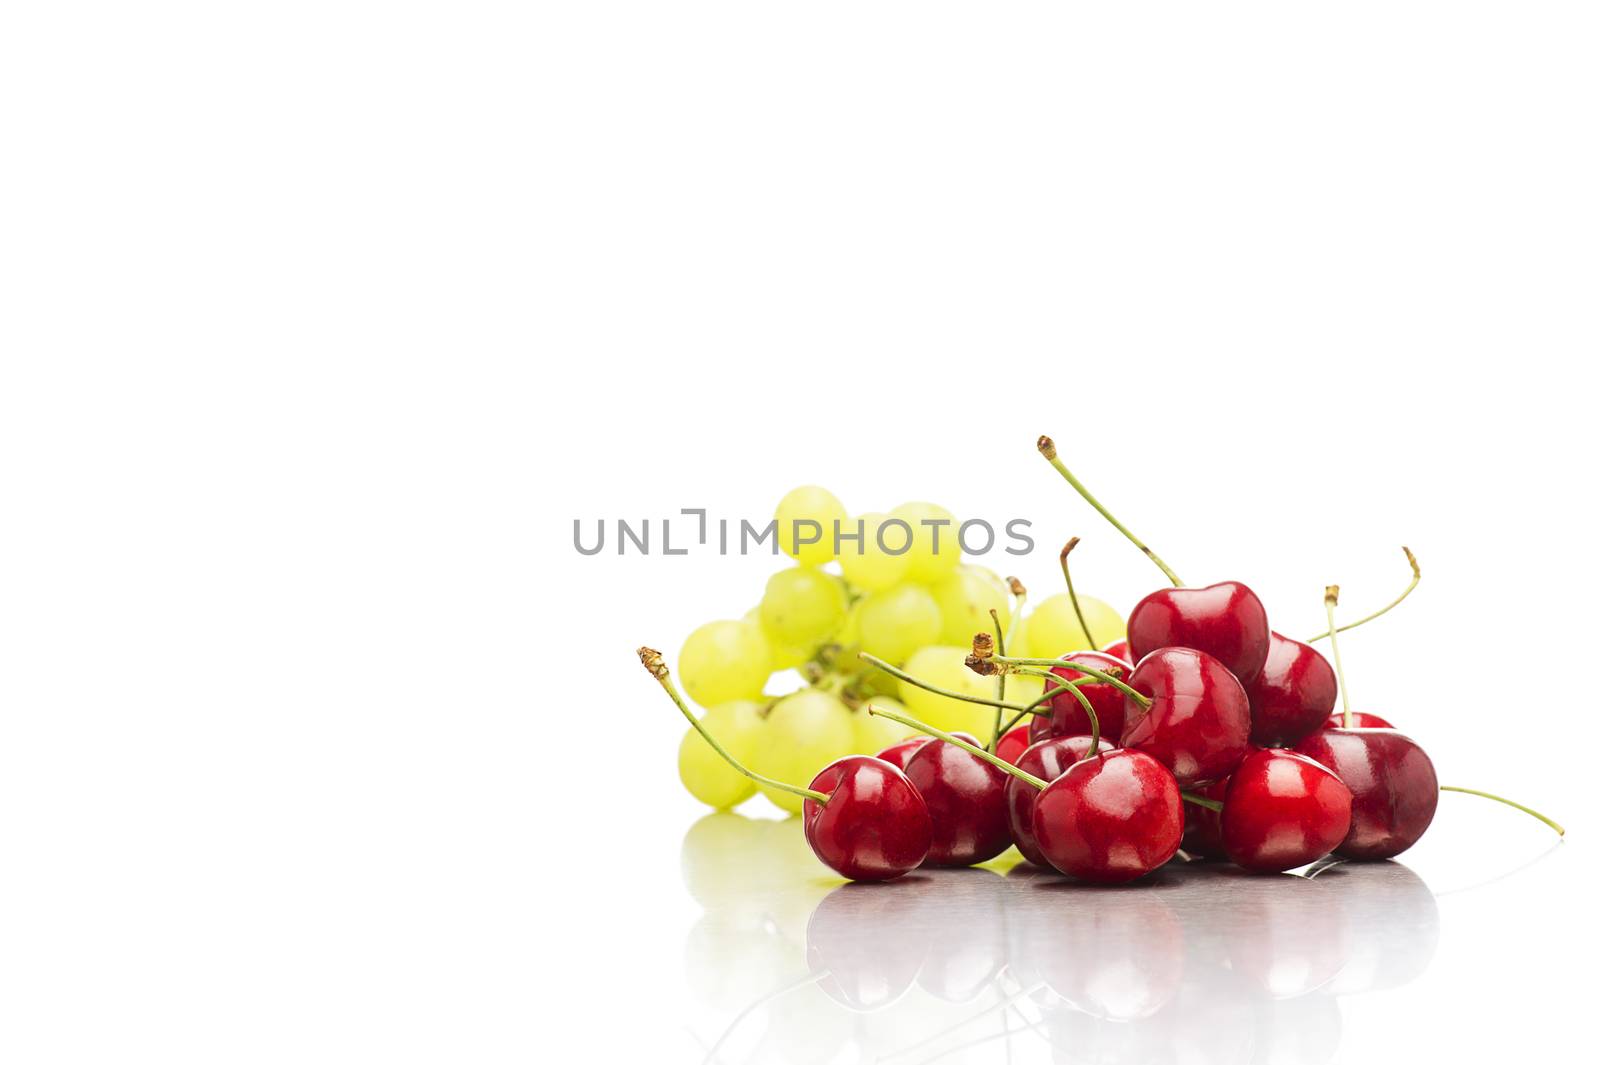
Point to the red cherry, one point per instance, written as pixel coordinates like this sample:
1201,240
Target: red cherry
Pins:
874,826
1118,650
1283,810
1198,720
1392,783
1111,818
1067,717
1047,760
898,754
1013,743
1358,719
1202,827
966,799
1224,620
1292,695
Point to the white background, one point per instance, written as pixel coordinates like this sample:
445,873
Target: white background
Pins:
322,322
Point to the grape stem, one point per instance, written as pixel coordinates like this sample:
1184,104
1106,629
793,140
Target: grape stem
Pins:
895,671
658,669
1416,575
939,734
1047,448
1514,805
1330,599
1072,594
983,665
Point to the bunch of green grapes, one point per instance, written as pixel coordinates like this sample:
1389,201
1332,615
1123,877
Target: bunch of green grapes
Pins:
892,585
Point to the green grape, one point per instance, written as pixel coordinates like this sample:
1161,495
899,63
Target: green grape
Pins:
1052,629
803,608
704,772
965,598
866,565
779,657
898,621
928,564
874,733
804,732
808,503
722,661
946,667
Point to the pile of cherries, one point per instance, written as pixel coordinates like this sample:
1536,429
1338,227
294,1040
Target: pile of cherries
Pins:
1227,747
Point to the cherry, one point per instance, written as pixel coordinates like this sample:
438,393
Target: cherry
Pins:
1067,715
863,817
965,797
1110,818
1224,620
1047,760
1394,790
898,754
1291,696
1202,827
1358,719
1282,811
1013,743
1119,649
1197,722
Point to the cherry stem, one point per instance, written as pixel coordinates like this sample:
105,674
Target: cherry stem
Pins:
1032,708
1515,805
975,663
1066,572
971,748
658,669
1000,685
1416,575
894,671
1088,708
1047,448
1330,599
1210,804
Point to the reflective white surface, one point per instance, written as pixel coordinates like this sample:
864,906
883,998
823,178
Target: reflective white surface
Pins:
1196,963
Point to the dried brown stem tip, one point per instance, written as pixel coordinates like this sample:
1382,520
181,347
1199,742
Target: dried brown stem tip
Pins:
1330,595
1016,587
1067,550
1047,447
982,645
982,666
652,661
1416,570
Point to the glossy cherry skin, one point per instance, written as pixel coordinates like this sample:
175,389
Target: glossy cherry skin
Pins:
1119,649
1292,695
1012,744
1202,828
1357,720
1198,720
1110,818
898,754
874,826
966,799
1224,620
1393,787
1067,717
1047,759
1281,811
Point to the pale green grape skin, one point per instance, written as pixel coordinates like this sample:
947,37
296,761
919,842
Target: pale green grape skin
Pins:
778,657
874,733
946,667
1052,628
802,608
929,566
897,621
706,774
866,565
803,733
965,598
809,503
724,661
